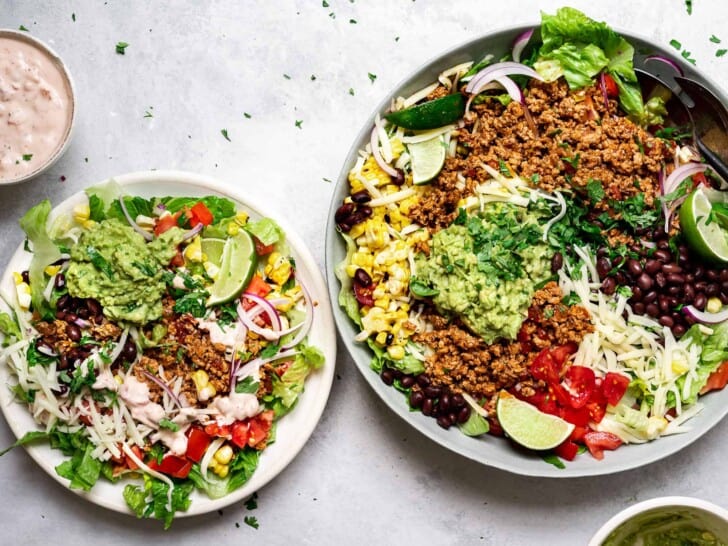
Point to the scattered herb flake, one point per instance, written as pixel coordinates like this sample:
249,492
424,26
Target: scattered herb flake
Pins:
313,77
328,180
372,77
689,6
22,27
554,460
286,76
674,43
299,123
252,521
224,133
714,39
721,52
325,4
27,157
121,48
169,425
352,21
687,56
332,15
252,502
248,116
351,91
73,17
148,114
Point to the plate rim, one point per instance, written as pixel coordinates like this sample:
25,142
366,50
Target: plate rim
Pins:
314,403
669,444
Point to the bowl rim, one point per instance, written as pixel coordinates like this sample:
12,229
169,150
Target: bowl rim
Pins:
58,62
318,392
671,444
674,501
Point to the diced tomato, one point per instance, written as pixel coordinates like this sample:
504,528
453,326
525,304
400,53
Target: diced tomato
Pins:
567,450
261,249
131,465
258,286
614,385
561,395
240,433
200,214
178,260
598,441
563,352
525,340
716,380
215,430
596,411
172,465
577,416
543,400
544,368
165,222
197,443
580,382
260,426
577,435
699,179
611,86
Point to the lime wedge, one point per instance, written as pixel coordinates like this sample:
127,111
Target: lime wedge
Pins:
528,426
212,248
704,233
237,265
427,157
431,114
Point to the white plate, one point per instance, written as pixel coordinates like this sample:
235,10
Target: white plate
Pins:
293,430
490,450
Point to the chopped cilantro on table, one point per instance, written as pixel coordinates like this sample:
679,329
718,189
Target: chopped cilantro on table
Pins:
27,157
121,47
372,77
224,133
252,521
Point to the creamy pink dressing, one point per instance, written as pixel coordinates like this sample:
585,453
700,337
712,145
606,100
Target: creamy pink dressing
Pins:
35,108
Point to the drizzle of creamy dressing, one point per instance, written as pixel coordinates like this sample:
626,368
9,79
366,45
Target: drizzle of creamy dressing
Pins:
35,108
235,407
232,336
105,380
136,395
175,441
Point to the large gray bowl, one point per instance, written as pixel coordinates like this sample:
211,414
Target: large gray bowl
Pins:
490,450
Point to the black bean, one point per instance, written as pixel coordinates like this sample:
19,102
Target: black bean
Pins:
84,313
663,244
398,374
637,293
666,320
345,226
63,302
62,362
700,286
398,179
639,308
365,211
129,353
427,406
362,277
634,267
723,298
652,266
712,274
71,317
444,421
557,261
94,307
609,285
660,279
724,286
644,281
663,255
712,290
604,266
602,252
453,416
659,233
432,391
617,261
678,330
673,301
699,271
724,275
344,212
664,303
355,218
457,401
464,414
408,381
387,376
671,268
361,196
73,332
416,399
700,301
61,315
689,291
674,278
674,290
652,309
621,278
25,275
423,380
60,281
444,402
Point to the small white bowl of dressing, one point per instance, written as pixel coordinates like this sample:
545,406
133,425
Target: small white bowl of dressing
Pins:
666,520
37,106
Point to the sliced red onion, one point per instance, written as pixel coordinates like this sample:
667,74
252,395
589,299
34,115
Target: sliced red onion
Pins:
163,386
665,211
81,323
119,345
267,333
486,87
680,174
267,308
191,233
258,362
704,316
46,350
307,322
386,167
140,230
519,44
671,211
508,68
160,209
667,61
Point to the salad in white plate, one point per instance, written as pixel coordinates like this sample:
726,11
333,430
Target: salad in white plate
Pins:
156,342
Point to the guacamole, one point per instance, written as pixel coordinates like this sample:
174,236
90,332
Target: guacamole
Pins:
483,269
115,265
676,529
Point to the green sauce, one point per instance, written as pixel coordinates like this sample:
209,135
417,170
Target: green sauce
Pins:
672,529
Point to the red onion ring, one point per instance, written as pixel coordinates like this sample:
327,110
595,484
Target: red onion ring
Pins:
46,351
680,174
247,318
156,380
519,44
374,143
141,231
508,68
261,361
667,61
603,88
194,231
266,307
704,316
308,321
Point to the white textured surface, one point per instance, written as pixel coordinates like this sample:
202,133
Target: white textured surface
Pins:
365,477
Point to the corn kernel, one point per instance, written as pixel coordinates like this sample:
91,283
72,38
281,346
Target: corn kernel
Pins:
200,378
52,270
17,277
713,305
222,471
81,213
242,218
357,230
381,338
193,251
224,454
395,352
233,228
